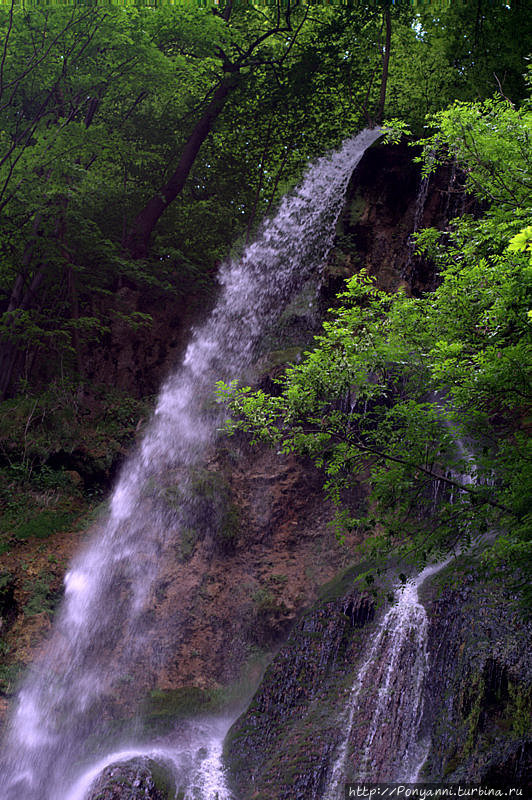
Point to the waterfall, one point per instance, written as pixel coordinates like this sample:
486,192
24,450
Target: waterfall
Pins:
419,209
385,705
102,633
386,702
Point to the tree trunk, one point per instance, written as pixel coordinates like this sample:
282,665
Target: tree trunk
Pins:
138,239
9,348
385,65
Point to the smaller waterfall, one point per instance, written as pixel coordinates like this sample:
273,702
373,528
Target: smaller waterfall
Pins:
385,705
419,209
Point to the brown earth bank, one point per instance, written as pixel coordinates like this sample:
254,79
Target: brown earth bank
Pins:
217,607
218,603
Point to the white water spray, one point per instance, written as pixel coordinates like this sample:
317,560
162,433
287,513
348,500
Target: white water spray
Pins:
101,635
386,700
193,756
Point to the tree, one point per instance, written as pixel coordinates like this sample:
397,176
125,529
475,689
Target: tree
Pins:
77,85
429,394
168,133
243,49
465,51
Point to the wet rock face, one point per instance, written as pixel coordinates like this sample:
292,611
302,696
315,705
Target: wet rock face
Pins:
222,595
477,693
479,697
386,202
140,779
283,745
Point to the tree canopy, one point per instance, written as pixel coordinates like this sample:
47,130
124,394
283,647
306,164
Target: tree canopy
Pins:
138,144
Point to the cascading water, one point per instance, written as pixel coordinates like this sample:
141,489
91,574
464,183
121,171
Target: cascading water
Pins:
108,587
385,708
419,208
385,704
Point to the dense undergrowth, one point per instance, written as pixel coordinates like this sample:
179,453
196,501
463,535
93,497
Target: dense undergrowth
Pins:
58,456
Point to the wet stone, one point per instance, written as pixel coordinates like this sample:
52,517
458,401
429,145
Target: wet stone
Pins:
139,779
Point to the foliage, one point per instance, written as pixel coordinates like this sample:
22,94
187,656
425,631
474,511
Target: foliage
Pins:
42,596
9,677
431,394
56,456
98,102
40,424
465,51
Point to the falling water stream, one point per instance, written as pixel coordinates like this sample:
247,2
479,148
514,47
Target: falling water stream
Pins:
384,712
109,586
387,696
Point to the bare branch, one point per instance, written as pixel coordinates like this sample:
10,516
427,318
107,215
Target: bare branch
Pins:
6,42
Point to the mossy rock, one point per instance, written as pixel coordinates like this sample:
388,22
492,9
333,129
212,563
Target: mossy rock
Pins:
298,323
139,779
364,577
480,690
201,506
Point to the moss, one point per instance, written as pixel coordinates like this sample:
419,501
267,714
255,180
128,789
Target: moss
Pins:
229,527
162,778
452,764
32,427
176,703
264,601
5,581
202,506
293,330
357,207
44,523
162,707
136,778
9,677
357,576
59,448
339,585
474,700
187,543
207,484
274,359
519,709
42,596
213,506
172,496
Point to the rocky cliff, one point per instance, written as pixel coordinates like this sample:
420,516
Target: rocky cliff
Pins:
477,692
275,547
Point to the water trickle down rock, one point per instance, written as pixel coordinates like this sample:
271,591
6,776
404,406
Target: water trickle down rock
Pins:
469,718
282,745
385,705
478,702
